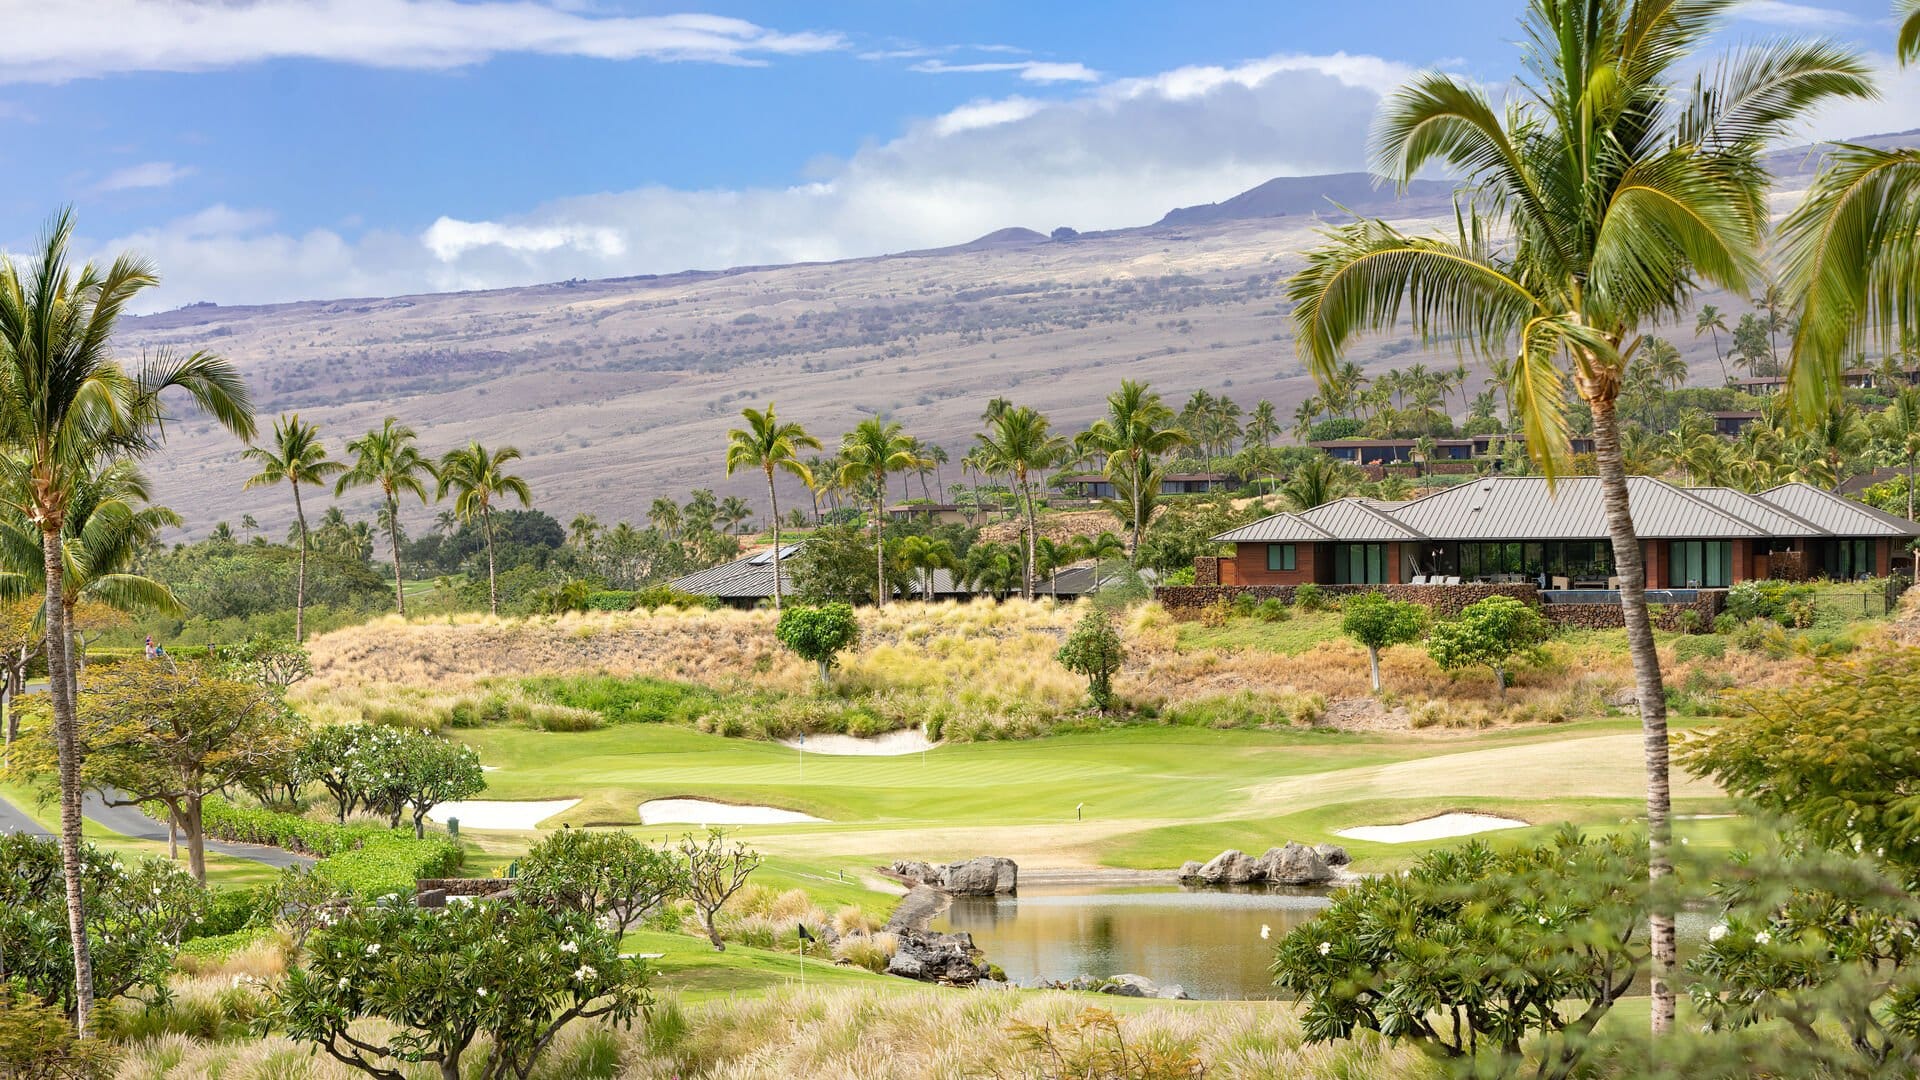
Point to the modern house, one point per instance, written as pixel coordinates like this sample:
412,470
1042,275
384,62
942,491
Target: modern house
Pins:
748,581
1393,451
1517,529
1857,378
1097,486
938,513
1730,422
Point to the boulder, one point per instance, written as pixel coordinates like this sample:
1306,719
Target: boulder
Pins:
1190,870
924,873
1230,867
941,958
1174,992
1130,986
1334,854
983,876
1294,864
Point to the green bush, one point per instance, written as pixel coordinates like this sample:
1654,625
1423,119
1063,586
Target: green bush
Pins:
244,825
611,600
1095,650
230,911
818,634
627,701
1752,634
390,865
1700,647
1309,597
1766,599
1272,610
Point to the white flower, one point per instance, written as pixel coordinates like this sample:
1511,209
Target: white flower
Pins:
1326,947
1265,931
343,982
1543,920
570,946
1763,938
482,991
1718,931
373,949
583,973
1683,841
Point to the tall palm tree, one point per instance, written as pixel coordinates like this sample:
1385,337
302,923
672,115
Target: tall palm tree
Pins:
869,452
1130,438
295,457
1316,482
582,530
734,513
664,514
387,458
69,405
1711,321
477,477
1898,425
938,456
769,445
1603,194
1018,442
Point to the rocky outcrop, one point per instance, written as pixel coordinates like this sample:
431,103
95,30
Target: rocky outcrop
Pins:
949,959
985,875
921,905
1294,864
1142,987
1291,864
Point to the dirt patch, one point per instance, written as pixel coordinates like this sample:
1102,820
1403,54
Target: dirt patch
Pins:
1365,714
1064,525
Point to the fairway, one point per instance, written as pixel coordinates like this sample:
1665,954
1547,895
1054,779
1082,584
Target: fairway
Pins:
1151,797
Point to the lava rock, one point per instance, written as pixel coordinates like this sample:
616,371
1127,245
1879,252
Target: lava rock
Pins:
1230,867
1334,854
940,958
1294,864
1190,870
924,873
983,876
1138,986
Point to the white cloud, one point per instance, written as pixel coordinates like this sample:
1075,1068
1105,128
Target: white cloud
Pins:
51,42
449,239
147,174
1801,16
981,114
1040,71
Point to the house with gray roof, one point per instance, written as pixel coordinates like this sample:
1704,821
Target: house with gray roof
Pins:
748,581
1521,529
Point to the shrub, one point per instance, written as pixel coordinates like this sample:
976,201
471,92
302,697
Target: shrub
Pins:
869,951
1377,622
389,865
626,701
612,600
1751,635
1216,614
818,634
1701,647
1095,650
615,876
37,1042
1271,610
1495,632
1309,597
443,977
1766,599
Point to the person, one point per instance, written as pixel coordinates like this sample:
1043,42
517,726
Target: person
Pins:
150,647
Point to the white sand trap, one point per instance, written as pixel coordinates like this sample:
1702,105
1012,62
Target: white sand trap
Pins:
498,814
892,744
702,812
1433,828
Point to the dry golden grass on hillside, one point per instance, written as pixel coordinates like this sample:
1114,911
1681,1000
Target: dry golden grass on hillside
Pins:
891,1034
983,669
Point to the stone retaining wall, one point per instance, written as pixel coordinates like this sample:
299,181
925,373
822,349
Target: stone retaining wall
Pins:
1672,617
463,886
1187,601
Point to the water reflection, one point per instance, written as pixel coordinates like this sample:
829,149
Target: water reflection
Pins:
1206,940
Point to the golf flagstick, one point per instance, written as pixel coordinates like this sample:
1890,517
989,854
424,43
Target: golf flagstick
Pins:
800,931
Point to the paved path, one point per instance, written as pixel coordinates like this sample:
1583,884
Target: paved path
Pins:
129,821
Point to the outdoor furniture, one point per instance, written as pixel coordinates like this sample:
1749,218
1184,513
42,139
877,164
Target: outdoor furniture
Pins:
1589,583
1453,579
1562,583
1613,583
1418,579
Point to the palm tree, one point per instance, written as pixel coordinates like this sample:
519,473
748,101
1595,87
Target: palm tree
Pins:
1018,441
938,456
582,530
1133,434
1710,321
734,513
769,445
1663,362
386,457
69,405
477,477
924,555
1898,425
1908,46
868,453
664,514
1316,482
1604,194
295,457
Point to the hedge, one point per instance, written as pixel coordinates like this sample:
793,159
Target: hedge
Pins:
611,600
221,820
390,865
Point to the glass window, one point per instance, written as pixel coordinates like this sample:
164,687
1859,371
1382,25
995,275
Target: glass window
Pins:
1280,557
1360,564
1704,564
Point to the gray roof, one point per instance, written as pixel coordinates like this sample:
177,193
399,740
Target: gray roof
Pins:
751,578
1525,508
1837,514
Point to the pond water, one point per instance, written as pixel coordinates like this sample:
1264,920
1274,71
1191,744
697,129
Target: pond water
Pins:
1206,940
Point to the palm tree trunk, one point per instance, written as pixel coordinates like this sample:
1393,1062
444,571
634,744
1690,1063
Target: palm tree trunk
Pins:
1133,557
1910,485
300,582
1026,492
493,586
1724,373
393,536
880,546
773,501
67,740
1631,568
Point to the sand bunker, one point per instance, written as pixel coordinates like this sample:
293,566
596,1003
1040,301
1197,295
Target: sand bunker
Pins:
1433,828
892,744
702,812
498,814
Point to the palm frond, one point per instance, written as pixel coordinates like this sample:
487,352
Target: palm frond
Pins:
1757,95
1667,213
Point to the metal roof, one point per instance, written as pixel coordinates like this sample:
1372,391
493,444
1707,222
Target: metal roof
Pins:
1769,518
1836,514
751,578
1279,529
1357,519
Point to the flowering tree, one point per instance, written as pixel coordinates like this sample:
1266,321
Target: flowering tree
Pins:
441,978
615,875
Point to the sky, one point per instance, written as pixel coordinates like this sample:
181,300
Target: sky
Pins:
272,150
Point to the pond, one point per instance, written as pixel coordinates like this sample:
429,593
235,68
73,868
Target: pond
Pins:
1206,940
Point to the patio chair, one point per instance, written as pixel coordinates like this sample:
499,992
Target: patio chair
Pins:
1418,579
1562,583
1613,583
1452,579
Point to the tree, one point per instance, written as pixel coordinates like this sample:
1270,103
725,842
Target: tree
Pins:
351,761
868,453
714,872
1135,432
1495,632
70,405
442,978
21,639
1898,425
1568,250
1377,622
1017,441
818,634
172,734
1711,321
388,459
768,445
922,555
477,477
296,457
1483,958
1095,650
429,771
1316,481
614,876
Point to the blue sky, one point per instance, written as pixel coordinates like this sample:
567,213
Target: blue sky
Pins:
267,150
